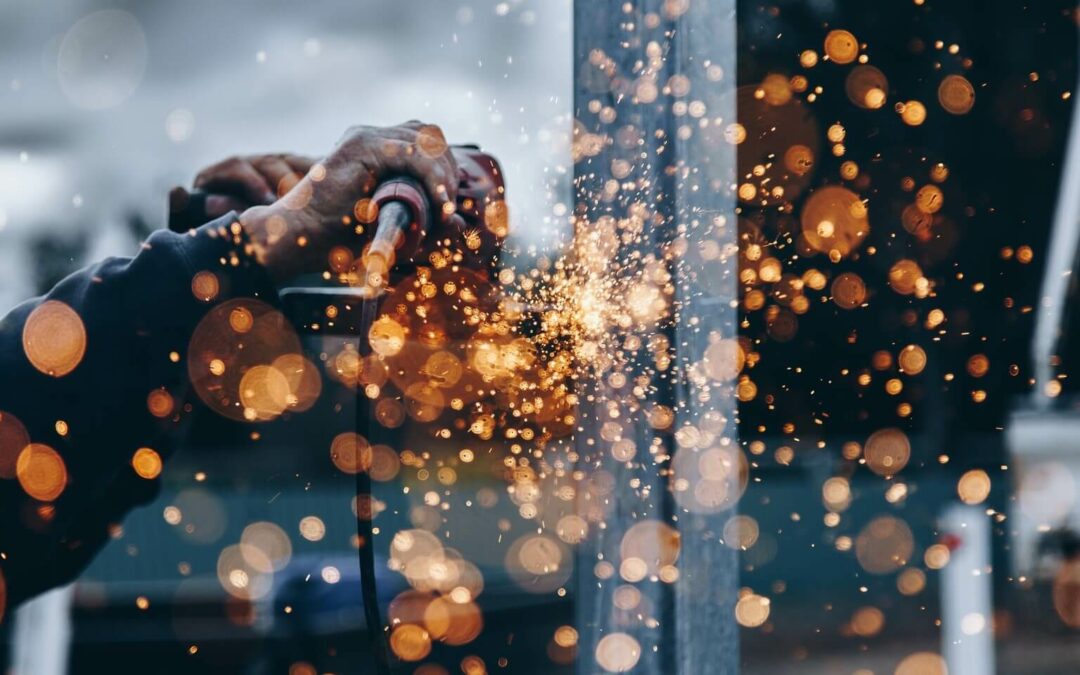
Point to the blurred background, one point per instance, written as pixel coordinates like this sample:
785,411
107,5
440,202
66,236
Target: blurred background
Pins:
106,105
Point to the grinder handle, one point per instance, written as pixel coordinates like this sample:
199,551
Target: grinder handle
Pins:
404,220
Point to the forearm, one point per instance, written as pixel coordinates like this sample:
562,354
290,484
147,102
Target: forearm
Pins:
96,370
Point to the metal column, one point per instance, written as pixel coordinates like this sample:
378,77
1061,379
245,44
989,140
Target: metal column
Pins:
654,99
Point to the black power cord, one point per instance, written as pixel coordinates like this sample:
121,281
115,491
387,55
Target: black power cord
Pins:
394,220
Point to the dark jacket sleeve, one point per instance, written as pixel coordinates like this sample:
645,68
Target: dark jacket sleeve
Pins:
137,316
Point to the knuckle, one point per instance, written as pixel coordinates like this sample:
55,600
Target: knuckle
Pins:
353,134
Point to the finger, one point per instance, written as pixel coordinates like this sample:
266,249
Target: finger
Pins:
402,133
435,177
454,174
277,172
430,140
219,205
430,143
179,205
444,181
236,178
353,133
299,163
178,199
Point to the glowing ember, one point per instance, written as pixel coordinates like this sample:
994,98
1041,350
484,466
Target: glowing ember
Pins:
54,338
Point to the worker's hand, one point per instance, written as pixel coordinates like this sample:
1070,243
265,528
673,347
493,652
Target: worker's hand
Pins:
238,183
296,232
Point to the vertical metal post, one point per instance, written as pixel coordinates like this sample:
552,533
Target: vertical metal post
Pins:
41,643
1060,264
654,107
967,596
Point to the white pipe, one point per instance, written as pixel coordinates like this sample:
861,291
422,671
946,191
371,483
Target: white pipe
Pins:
1060,260
42,636
967,601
